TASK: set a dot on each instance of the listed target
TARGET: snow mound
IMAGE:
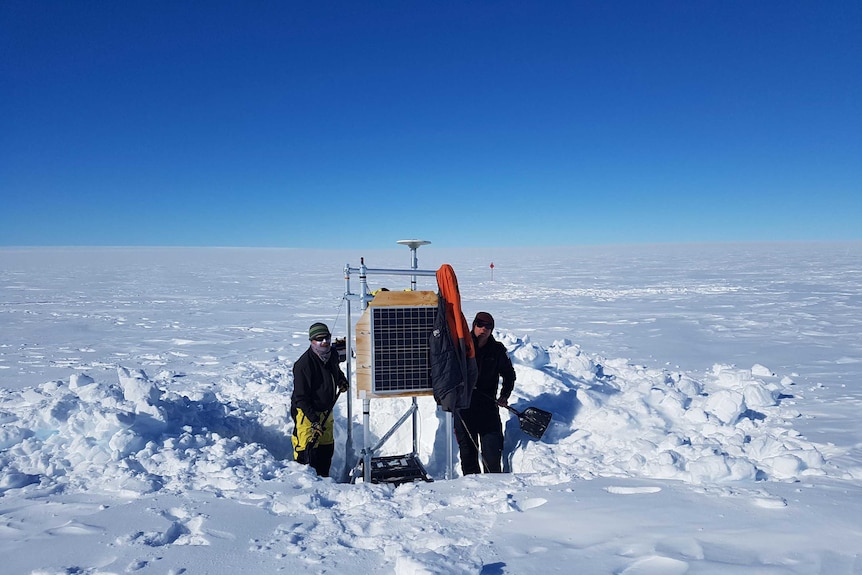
(611, 418)
(617, 419)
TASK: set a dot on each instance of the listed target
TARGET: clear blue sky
(333, 124)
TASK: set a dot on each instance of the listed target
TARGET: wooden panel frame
(364, 369)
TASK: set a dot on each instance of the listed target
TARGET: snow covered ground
(706, 406)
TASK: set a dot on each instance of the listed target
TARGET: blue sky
(333, 124)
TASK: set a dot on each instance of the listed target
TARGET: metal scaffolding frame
(364, 297)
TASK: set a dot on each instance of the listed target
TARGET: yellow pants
(302, 435)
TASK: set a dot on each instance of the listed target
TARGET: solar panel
(399, 348)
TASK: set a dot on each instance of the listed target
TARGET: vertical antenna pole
(450, 456)
(349, 452)
(366, 453)
(363, 283)
(414, 265)
(414, 262)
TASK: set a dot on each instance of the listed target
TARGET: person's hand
(503, 402)
(316, 431)
(343, 385)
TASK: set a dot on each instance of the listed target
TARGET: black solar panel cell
(399, 348)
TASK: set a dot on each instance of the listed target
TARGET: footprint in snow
(527, 504)
(631, 490)
(656, 565)
(769, 502)
(75, 528)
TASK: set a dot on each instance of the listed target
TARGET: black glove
(343, 385)
(316, 431)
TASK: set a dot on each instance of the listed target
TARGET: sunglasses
(322, 337)
(484, 324)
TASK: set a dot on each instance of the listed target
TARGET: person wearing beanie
(480, 423)
(317, 382)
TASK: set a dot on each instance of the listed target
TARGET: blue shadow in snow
(564, 407)
(492, 569)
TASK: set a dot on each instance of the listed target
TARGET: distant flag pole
(492, 271)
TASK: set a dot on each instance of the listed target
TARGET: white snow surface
(706, 405)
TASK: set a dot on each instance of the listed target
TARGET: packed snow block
(80, 380)
(785, 467)
(685, 384)
(14, 479)
(761, 371)
(531, 355)
(726, 405)
(564, 356)
(758, 396)
(13, 435)
(729, 377)
(89, 391)
(137, 387)
(125, 442)
(713, 468)
(145, 398)
(695, 416)
(392, 345)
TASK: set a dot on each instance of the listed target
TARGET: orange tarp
(448, 284)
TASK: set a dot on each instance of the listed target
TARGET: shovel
(533, 421)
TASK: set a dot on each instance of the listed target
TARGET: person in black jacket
(480, 423)
(317, 380)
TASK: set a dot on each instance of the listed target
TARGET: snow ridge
(611, 418)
